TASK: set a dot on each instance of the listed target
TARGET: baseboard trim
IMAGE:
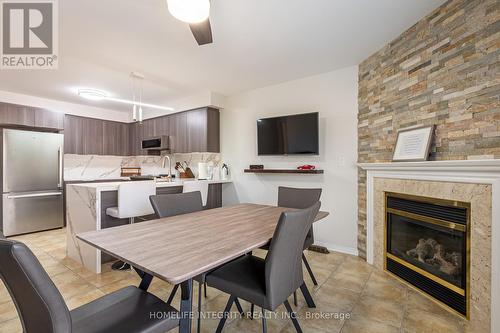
(338, 248)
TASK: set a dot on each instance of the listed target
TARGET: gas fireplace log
(429, 251)
(444, 265)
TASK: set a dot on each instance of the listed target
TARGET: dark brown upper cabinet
(189, 131)
(116, 138)
(49, 119)
(88, 136)
(83, 135)
(178, 132)
(26, 116)
(16, 115)
(73, 134)
(203, 131)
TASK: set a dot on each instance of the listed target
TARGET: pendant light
(134, 107)
(140, 104)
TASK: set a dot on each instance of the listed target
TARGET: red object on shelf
(306, 167)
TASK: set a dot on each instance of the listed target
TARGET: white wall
(334, 96)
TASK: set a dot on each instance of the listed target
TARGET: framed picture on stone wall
(413, 144)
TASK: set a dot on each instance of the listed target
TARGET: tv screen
(289, 135)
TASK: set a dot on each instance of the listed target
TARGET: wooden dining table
(178, 248)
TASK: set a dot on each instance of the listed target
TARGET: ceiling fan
(196, 13)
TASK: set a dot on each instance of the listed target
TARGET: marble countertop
(111, 186)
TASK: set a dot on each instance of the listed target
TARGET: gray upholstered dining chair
(301, 198)
(269, 282)
(41, 307)
(167, 205)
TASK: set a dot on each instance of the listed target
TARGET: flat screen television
(289, 135)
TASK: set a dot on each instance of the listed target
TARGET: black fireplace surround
(427, 245)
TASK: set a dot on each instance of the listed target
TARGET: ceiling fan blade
(202, 32)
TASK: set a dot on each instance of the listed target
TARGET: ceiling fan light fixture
(190, 11)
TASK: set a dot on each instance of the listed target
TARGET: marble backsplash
(98, 167)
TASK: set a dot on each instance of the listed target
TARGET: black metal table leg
(146, 282)
(186, 306)
(146, 279)
(172, 294)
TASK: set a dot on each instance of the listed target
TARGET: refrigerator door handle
(60, 171)
(33, 195)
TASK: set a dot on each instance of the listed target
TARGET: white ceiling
(256, 43)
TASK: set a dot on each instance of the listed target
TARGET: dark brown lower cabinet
(214, 199)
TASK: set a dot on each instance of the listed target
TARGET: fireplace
(427, 244)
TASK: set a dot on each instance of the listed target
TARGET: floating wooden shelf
(283, 171)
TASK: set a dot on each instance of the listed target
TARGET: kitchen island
(86, 205)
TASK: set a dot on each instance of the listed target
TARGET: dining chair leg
(295, 298)
(186, 307)
(205, 289)
(264, 321)
(311, 274)
(251, 311)
(198, 328)
(293, 317)
(307, 296)
(172, 294)
(225, 314)
(238, 306)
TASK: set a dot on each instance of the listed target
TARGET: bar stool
(197, 185)
(133, 201)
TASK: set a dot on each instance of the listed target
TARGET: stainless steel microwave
(156, 143)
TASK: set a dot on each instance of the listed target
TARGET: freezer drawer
(29, 212)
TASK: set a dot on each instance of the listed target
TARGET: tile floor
(352, 296)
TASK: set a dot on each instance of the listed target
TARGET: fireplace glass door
(426, 244)
(435, 249)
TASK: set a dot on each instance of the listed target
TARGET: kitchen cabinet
(178, 132)
(73, 134)
(115, 138)
(88, 136)
(189, 131)
(49, 119)
(203, 130)
(26, 116)
(93, 136)
(20, 115)
(214, 197)
(162, 125)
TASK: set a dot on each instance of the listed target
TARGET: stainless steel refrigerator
(32, 181)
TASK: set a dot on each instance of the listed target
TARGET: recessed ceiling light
(190, 11)
(92, 94)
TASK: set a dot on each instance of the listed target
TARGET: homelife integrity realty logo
(29, 34)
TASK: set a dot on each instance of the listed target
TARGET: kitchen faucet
(165, 158)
